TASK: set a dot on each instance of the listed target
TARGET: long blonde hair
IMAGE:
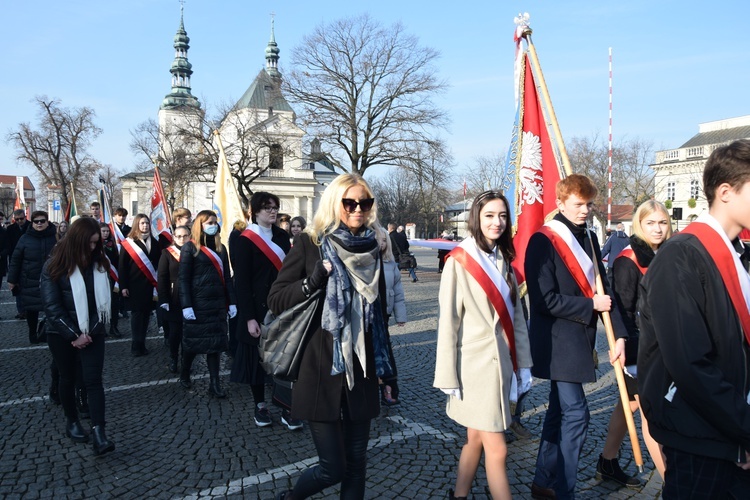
(644, 210)
(327, 217)
(135, 233)
(199, 237)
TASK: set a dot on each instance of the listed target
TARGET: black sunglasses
(18, 218)
(351, 205)
(39, 221)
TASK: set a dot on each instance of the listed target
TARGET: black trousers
(175, 337)
(695, 476)
(139, 326)
(342, 454)
(91, 359)
(32, 320)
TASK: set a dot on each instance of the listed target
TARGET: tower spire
(181, 70)
(272, 54)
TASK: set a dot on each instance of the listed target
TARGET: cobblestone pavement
(173, 443)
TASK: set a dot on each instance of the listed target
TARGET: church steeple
(181, 70)
(272, 55)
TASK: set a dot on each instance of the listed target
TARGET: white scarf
(102, 295)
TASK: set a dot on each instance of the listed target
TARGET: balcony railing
(289, 174)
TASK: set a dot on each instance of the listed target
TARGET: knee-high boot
(214, 387)
(187, 364)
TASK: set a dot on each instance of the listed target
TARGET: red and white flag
(538, 171)
(160, 220)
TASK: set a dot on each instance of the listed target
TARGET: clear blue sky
(676, 63)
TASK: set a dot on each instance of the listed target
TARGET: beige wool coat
(473, 352)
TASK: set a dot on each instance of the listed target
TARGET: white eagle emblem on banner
(531, 169)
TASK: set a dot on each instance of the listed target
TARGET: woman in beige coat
(481, 336)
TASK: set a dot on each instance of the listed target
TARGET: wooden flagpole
(547, 101)
(618, 368)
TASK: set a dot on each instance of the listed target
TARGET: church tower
(180, 108)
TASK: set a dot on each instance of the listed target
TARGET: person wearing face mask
(257, 255)
(26, 263)
(139, 258)
(169, 292)
(206, 295)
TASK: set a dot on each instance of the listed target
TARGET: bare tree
(57, 146)
(109, 177)
(396, 195)
(365, 91)
(488, 172)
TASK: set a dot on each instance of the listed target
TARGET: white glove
(524, 378)
(232, 311)
(165, 306)
(188, 313)
(453, 392)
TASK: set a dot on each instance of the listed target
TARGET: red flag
(538, 173)
(161, 225)
(464, 188)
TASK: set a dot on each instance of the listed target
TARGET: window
(275, 157)
(695, 188)
(134, 207)
(671, 191)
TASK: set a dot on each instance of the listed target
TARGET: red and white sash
(215, 260)
(628, 253)
(735, 278)
(271, 250)
(572, 254)
(140, 259)
(113, 272)
(174, 252)
(489, 277)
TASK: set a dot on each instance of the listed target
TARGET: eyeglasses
(39, 221)
(351, 205)
(19, 218)
(181, 236)
(271, 209)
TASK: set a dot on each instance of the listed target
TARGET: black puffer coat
(168, 289)
(26, 264)
(60, 308)
(203, 289)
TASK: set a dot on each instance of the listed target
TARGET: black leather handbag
(283, 338)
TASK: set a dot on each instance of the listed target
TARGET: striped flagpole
(609, 156)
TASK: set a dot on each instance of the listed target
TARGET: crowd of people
(678, 308)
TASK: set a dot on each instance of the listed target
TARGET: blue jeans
(563, 433)
(413, 274)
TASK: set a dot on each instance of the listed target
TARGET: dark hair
(728, 164)
(504, 242)
(73, 250)
(95, 204)
(258, 200)
(37, 213)
(301, 220)
(19, 211)
(121, 211)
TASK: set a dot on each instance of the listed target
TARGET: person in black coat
(169, 292)
(693, 353)
(3, 249)
(562, 332)
(76, 293)
(15, 230)
(119, 216)
(113, 254)
(254, 272)
(26, 263)
(340, 406)
(651, 228)
(206, 297)
(138, 279)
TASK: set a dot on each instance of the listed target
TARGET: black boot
(54, 394)
(102, 445)
(172, 365)
(610, 469)
(113, 330)
(82, 402)
(451, 496)
(75, 431)
(214, 386)
(187, 363)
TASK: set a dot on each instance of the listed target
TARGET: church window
(275, 157)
